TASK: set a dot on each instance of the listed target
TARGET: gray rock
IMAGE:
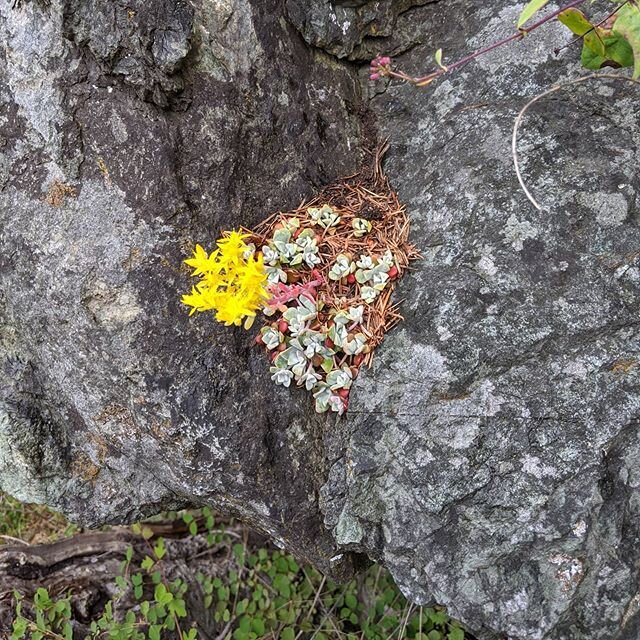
(491, 453)
(354, 29)
(129, 132)
(490, 457)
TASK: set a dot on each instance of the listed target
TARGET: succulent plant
(281, 375)
(272, 338)
(373, 275)
(314, 344)
(338, 333)
(305, 310)
(387, 259)
(249, 251)
(322, 397)
(342, 267)
(292, 358)
(379, 279)
(275, 275)
(340, 378)
(291, 224)
(356, 345)
(325, 216)
(309, 246)
(365, 262)
(360, 227)
(270, 255)
(309, 378)
(356, 314)
(337, 404)
(368, 294)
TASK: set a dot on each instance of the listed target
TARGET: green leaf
(161, 595)
(281, 584)
(438, 57)
(456, 633)
(627, 25)
(159, 549)
(530, 10)
(591, 60)
(154, 632)
(257, 626)
(439, 617)
(595, 42)
(327, 365)
(619, 50)
(576, 21)
(288, 634)
(179, 608)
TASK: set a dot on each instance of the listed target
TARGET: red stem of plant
(472, 56)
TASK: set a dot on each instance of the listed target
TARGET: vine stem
(523, 111)
(519, 35)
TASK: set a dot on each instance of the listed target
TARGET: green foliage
(614, 42)
(530, 10)
(264, 593)
(627, 26)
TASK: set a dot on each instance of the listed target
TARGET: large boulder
(490, 457)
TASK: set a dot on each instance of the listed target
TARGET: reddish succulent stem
(519, 35)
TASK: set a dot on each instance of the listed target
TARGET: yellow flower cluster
(233, 281)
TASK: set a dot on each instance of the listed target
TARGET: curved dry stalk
(523, 111)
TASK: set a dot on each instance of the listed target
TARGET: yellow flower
(233, 282)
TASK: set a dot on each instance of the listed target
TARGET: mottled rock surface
(129, 131)
(490, 458)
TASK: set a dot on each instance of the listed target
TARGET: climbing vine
(612, 41)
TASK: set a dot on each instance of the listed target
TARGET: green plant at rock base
(262, 593)
(613, 41)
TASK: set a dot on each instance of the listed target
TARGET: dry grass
(30, 523)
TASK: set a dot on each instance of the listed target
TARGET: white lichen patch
(348, 530)
(611, 209)
(535, 466)
(486, 267)
(516, 232)
(579, 529)
(112, 307)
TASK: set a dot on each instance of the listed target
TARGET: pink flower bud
(385, 60)
(374, 76)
